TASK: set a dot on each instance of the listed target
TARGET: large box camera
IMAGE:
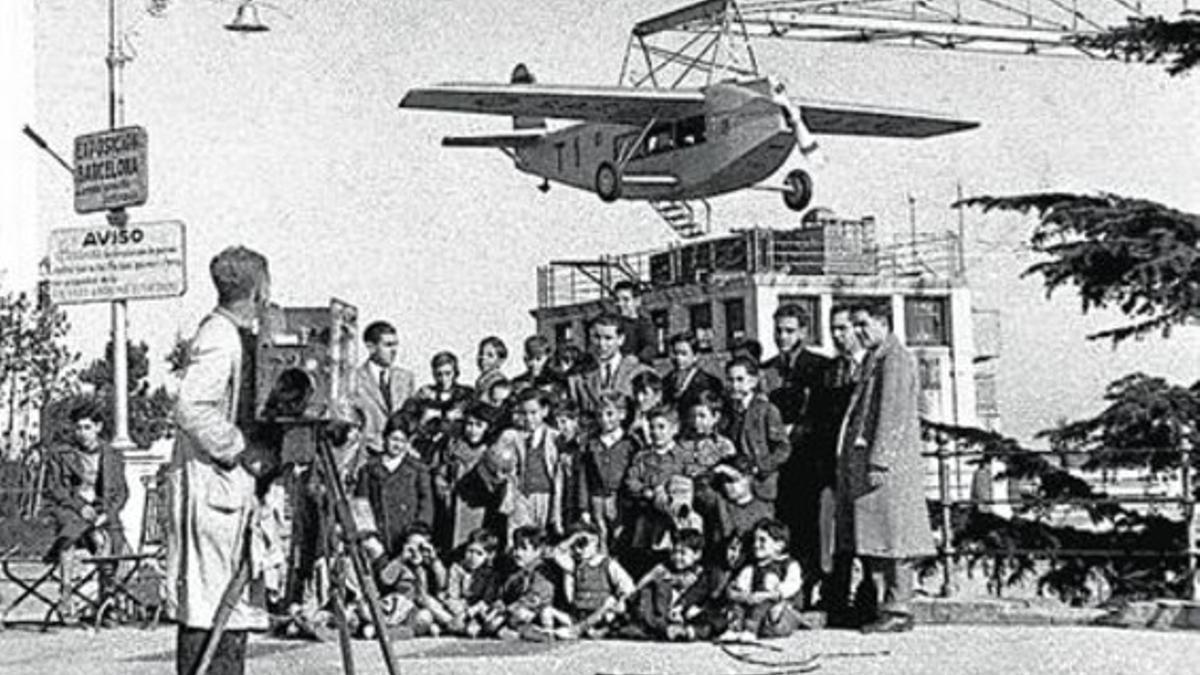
(304, 367)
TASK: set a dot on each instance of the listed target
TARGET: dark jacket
(398, 498)
(641, 338)
(64, 475)
(788, 379)
(759, 434)
(549, 380)
(649, 518)
(684, 399)
(729, 520)
(602, 469)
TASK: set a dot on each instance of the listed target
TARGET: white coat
(212, 496)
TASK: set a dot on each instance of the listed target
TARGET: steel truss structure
(713, 39)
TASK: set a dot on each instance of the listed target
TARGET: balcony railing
(831, 247)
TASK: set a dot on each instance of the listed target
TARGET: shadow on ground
(254, 650)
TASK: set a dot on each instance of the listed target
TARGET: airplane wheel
(800, 190)
(608, 182)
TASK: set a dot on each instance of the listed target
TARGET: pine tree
(1143, 259)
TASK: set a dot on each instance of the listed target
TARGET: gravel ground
(962, 650)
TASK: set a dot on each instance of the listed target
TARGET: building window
(564, 334)
(925, 322)
(700, 321)
(662, 326)
(735, 321)
(811, 305)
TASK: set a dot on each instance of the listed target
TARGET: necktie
(386, 389)
(608, 375)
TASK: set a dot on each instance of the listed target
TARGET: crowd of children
(513, 511)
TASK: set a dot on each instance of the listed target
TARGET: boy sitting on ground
(471, 586)
(525, 593)
(761, 594)
(595, 586)
(671, 599)
(410, 583)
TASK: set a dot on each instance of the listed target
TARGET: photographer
(211, 478)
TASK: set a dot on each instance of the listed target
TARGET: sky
(291, 142)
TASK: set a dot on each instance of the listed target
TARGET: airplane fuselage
(743, 137)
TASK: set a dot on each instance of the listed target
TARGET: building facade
(726, 289)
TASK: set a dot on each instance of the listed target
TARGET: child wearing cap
(737, 507)
(595, 586)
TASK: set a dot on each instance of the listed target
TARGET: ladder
(682, 217)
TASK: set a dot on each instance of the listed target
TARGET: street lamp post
(115, 61)
(246, 20)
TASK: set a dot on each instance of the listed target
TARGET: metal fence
(948, 453)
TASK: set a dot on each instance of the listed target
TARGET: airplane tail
(521, 75)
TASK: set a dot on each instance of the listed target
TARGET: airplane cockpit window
(663, 138)
(690, 131)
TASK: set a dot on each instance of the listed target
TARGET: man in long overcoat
(882, 516)
(212, 492)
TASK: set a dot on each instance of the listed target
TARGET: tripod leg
(339, 615)
(370, 593)
(362, 570)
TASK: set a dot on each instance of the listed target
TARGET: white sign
(111, 170)
(100, 264)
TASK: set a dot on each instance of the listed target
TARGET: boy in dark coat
(671, 599)
(397, 487)
(87, 489)
(756, 428)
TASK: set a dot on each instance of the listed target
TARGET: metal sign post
(115, 60)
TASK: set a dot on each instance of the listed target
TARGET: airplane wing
(617, 105)
(858, 120)
(517, 140)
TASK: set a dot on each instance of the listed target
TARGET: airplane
(638, 143)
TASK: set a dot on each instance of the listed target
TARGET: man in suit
(612, 370)
(881, 512)
(641, 337)
(811, 472)
(212, 474)
(683, 386)
(383, 387)
(788, 377)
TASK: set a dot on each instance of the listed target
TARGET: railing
(937, 255)
(571, 282)
(948, 453)
(833, 247)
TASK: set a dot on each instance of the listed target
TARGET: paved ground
(962, 650)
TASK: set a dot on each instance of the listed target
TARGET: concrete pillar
(962, 354)
(898, 324)
(824, 315)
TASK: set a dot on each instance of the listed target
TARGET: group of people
(590, 494)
